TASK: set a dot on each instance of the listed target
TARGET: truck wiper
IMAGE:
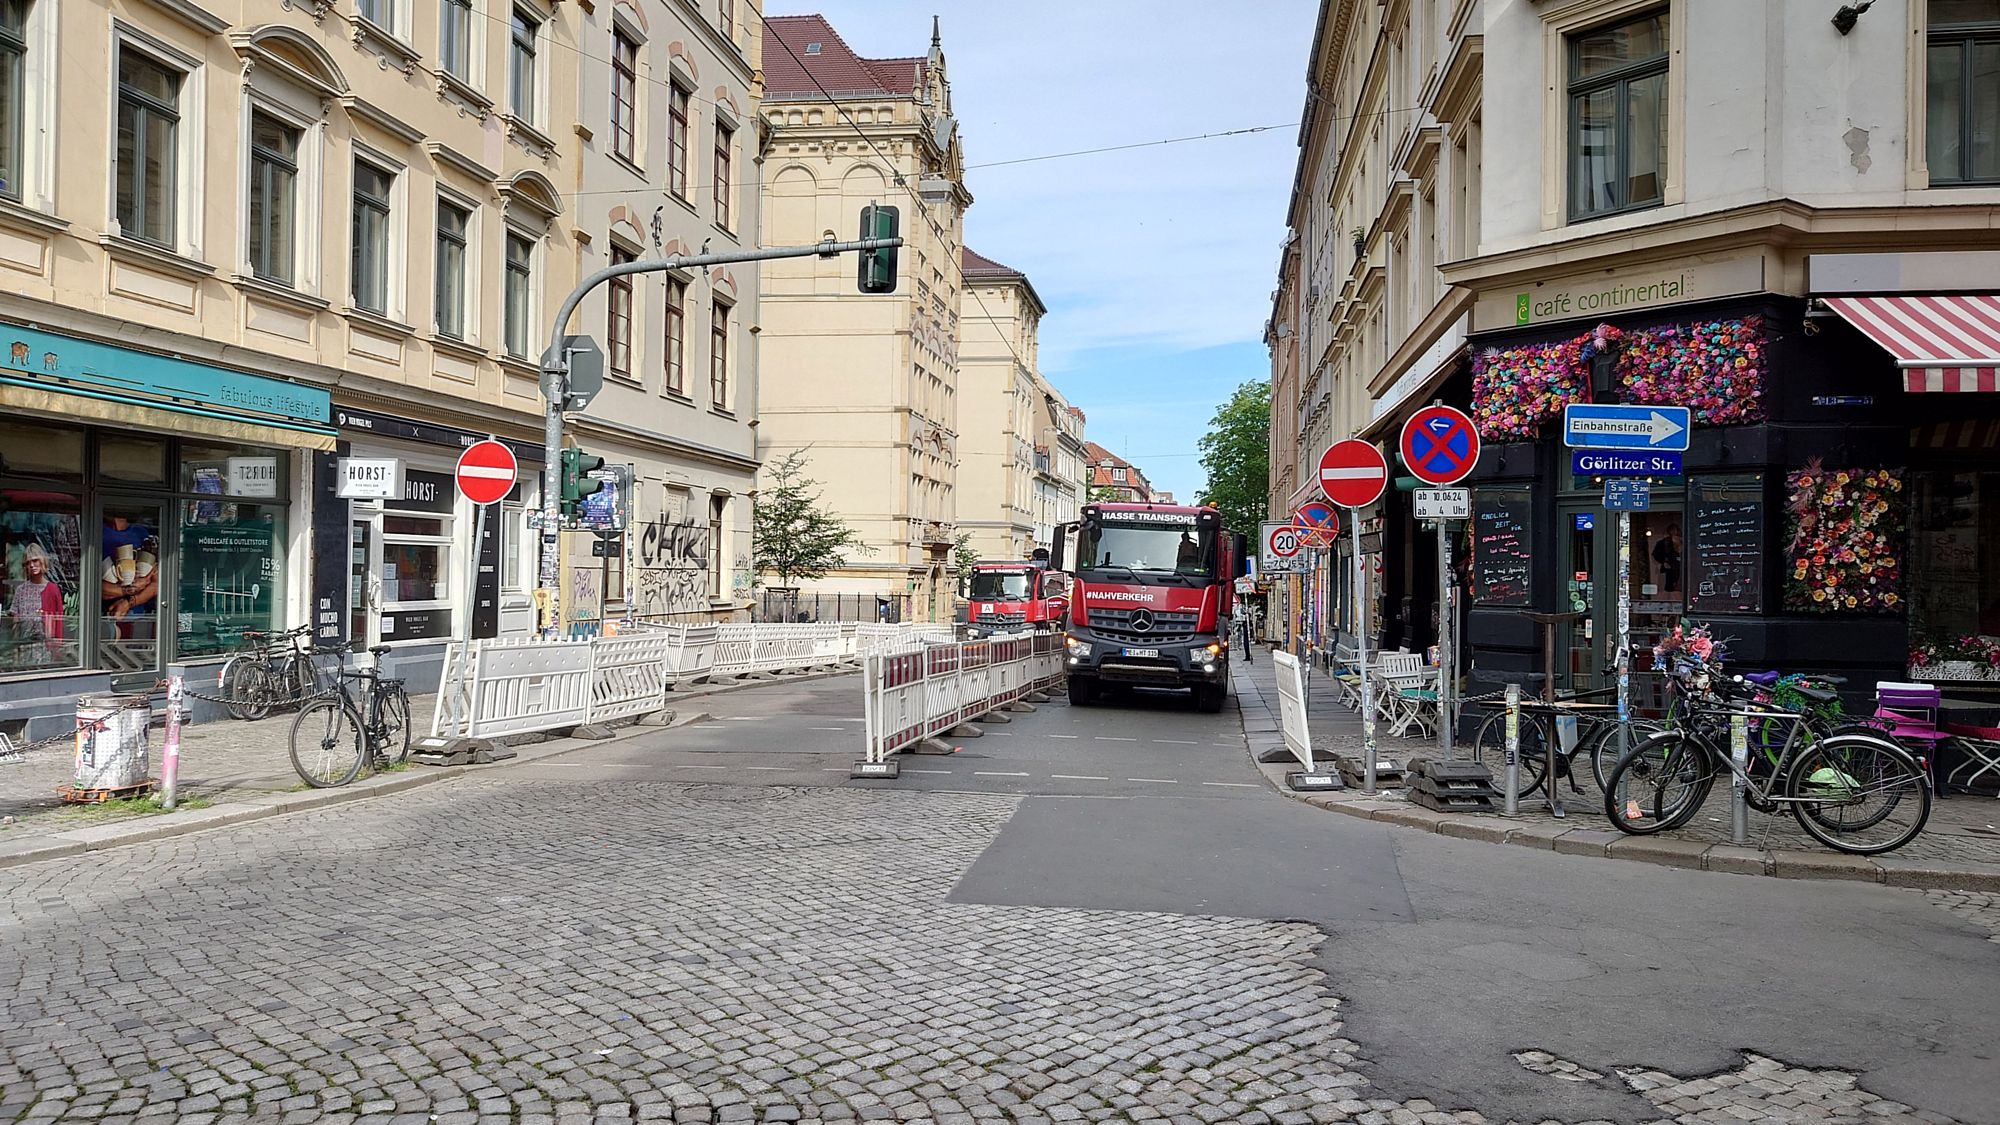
(1126, 569)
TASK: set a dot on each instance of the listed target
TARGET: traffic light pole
(555, 377)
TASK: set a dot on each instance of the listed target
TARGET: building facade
(1114, 478)
(1000, 401)
(1784, 224)
(667, 161)
(866, 385)
(1062, 468)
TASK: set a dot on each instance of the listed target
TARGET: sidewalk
(1959, 848)
(234, 771)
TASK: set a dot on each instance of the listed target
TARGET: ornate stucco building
(1001, 404)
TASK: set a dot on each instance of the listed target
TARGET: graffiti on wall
(671, 565)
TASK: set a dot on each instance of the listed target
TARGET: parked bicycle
(1851, 789)
(363, 725)
(271, 670)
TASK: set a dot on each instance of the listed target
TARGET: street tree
(963, 556)
(793, 534)
(1236, 455)
(1104, 494)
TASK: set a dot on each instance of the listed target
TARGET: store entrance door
(1587, 652)
(1578, 666)
(1659, 595)
(132, 584)
(363, 589)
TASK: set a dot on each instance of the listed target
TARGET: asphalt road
(1452, 955)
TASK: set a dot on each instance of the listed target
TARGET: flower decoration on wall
(1714, 367)
(1847, 539)
(1516, 390)
(1972, 648)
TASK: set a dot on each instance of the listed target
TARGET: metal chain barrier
(14, 753)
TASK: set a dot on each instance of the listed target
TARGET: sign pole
(471, 600)
(1361, 658)
(1624, 636)
(1445, 646)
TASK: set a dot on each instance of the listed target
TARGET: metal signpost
(486, 474)
(1353, 474)
(1656, 432)
(1513, 806)
(1440, 446)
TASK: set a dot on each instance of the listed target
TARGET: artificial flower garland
(1847, 539)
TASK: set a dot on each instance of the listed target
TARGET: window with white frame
(148, 154)
(718, 506)
(624, 96)
(676, 380)
(382, 13)
(373, 203)
(273, 204)
(454, 228)
(520, 293)
(523, 77)
(1962, 118)
(726, 19)
(718, 357)
(13, 91)
(618, 317)
(725, 149)
(455, 41)
(1618, 117)
(677, 141)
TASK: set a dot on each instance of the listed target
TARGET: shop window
(13, 65)
(416, 576)
(148, 156)
(129, 575)
(231, 574)
(42, 575)
(41, 453)
(1503, 540)
(1954, 567)
(1618, 117)
(124, 459)
(1962, 120)
(232, 470)
(1726, 522)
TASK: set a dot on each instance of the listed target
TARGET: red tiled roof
(836, 67)
(974, 262)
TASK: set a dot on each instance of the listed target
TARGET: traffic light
(878, 267)
(576, 480)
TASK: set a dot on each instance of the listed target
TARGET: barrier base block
(933, 746)
(1276, 754)
(1020, 708)
(966, 730)
(596, 732)
(1313, 782)
(1038, 697)
(876, 771)
(435, 751)
(657, 719)
(993, 717)
(485, 753)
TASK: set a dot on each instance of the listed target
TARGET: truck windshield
(999, 586)
(1146, 548)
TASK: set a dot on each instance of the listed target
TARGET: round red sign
(1352, 473)
(486, 472)
(1439, 445)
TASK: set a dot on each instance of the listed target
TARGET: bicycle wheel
(1859, 795)
(326, 743)
(1658, 784)
(394, 722)
(1601, 744)
(1489, 747)
(245, 683)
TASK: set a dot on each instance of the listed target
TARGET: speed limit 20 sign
(1282, 549)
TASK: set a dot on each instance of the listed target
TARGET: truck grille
(1165, 626)
(1000, 620)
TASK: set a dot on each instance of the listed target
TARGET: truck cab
(1011, 596)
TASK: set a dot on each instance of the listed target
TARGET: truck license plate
(1142, 652)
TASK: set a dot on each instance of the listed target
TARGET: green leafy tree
(963, 556)
(1236, 455)
(793, 535)
(1103, 494)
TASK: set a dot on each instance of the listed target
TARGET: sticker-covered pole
(1361, 658)
(1445, 678)
(1624, 634)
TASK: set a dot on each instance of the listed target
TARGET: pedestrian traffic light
(577, 482)
(878, 267)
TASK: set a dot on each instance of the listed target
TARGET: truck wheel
(1209, 698)
(1082, 693)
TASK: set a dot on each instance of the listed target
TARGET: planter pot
(1954, 670)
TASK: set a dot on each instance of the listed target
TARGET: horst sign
(1607, 293)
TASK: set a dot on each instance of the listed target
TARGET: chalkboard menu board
(1728, 571)
(1502, 540)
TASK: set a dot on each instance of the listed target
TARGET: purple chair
(1909, 713)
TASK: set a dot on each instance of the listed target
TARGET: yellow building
(1001, 401)
(867, 385)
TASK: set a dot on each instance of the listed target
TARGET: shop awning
(105, 410)
(1942, 343)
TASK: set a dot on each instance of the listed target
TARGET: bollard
(170, 754)
(1739, 756)
(1513, 750)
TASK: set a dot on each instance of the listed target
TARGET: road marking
(769, 769)
(1155, 780)
(1234, 784)
(1065, 736)
(744, 718)
(984, 773)
(946, 773)
(827, 728)
(1176, 742)
(708, 767)
(832, 769)
(1110, 738)
(1077, 777)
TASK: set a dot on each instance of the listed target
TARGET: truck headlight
(1077, 649)
(1213, 651)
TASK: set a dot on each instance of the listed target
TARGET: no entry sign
(1439, 445)
(486, 472)
(1352, 473)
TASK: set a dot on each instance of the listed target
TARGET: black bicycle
(336, 735)
(270, 670)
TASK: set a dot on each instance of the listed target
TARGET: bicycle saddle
(377, 650)
(1816, 694)
(1764, 678)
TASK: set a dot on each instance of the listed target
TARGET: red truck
(1011, 595)
(1150, 599)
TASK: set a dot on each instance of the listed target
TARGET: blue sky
(1157, 264)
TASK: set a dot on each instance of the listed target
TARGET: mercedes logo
(1142, 620)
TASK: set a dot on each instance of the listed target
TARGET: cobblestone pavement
(1981, 908)
(566, 951)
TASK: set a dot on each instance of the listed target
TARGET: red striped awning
(1942, 343)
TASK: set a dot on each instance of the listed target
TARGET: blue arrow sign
(1610, 463)
(1589, 425)
(1625, 495)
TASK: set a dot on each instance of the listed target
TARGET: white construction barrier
(915, 695)
(1292, 721)
(628, 675)
(517, 686)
